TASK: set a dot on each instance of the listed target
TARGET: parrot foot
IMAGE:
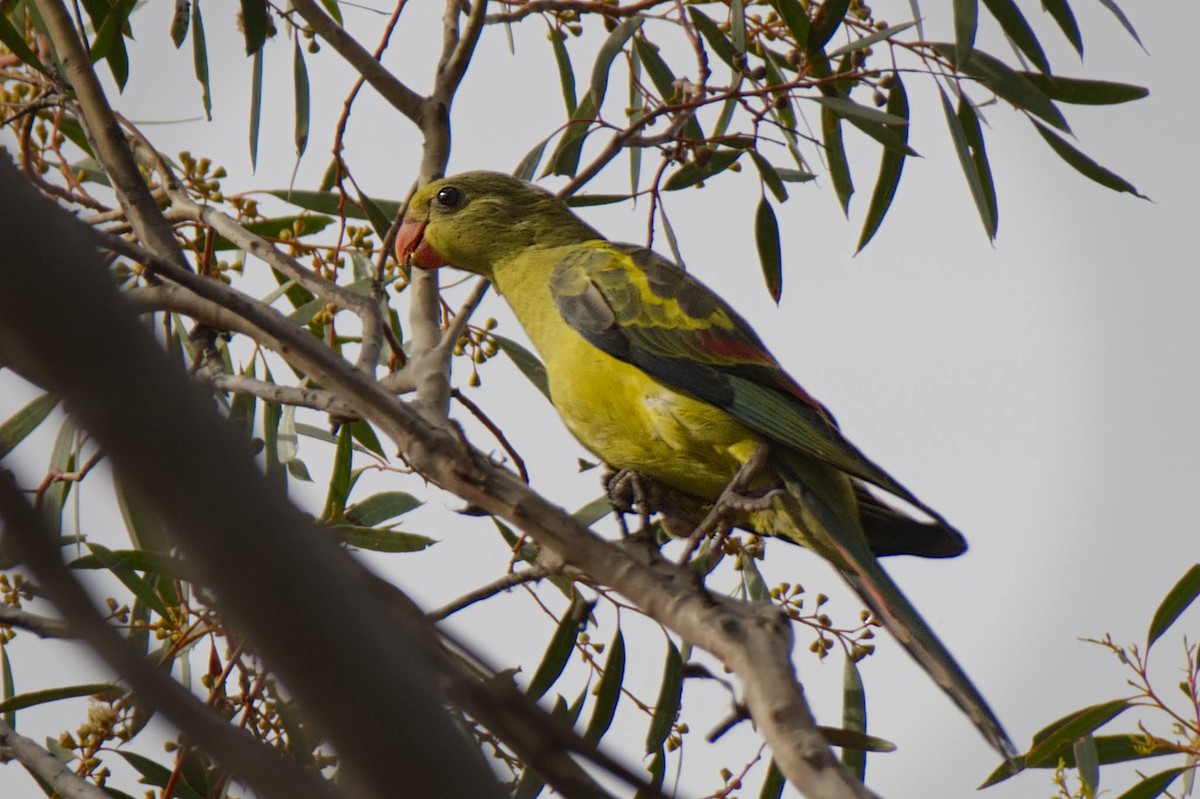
(733, 503)
(629, 493)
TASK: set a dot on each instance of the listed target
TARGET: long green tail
(818, 510)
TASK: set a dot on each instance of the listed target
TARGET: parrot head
(476, 219)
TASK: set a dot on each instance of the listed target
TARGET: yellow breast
(622, 415)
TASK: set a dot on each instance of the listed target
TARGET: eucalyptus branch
(404, 99)
(361, 305)
(104, 134)
(283, 395)
(505, 583)
(41, 626)
(45, 766)
(454, 61)
(611, 10)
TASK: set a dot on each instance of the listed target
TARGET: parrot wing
(644, 310)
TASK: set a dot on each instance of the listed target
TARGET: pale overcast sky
(1039, 391)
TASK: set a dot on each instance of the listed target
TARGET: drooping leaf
(847, 109)
(1112, 6)
(300, 90)
(1062, 734)
(664, 82)
(966, 22)
(608, 51)
(8, 687)
(854, 717)
(100, 689)
(766, 237)
(1016, 27)
(588, 200)
(159, 776)
(122, 569)
(608, 692)
(773, 783)
(1065, 17)
(18, 426)
(330, 202)
(200, 59)
(566, 75)
(15, 42)
(1154, 785)
(179, 22)
(770, 177)
(361, 430)
(666, 708)
(795, 18)
(380, 221)
(109, 43)
(565, 159)
(1084, 164)
(593, 511)
(1087, 764)
(835, 154)
(379, 508)
(973, 131)
(716, 38)
(1008, 83)
(558, 652)
(961, 147)
(375, 539)
(334, 9)
(526, 169)
(340, 480)
(1174, 603)
(828, 19)
(737, 25)
(256, 76)
(874, 38)
(1079, 91)
(272, 228)
(254, 24)
(526, 361)
(891, 166)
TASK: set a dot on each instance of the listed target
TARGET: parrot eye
(449, 197)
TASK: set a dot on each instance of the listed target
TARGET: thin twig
(505, 583)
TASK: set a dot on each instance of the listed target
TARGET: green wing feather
(645, 310)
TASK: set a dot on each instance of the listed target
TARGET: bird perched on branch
(654, 373)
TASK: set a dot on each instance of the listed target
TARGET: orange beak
(411, 246)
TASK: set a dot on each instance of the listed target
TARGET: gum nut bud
(887, 81)
(473, 381)
(313, 47)
(878, 99)
(758, 73)
(821, 599)
(203, 165)
(815, 646)
(219, 172)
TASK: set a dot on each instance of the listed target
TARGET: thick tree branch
(288, 582)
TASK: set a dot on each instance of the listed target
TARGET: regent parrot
(653, 372)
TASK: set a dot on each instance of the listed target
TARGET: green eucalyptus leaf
(666, 708)
(766, 237)
(1174, 603)
(1016, 27)
(1084, 164)
(18, 426)
(891, 166)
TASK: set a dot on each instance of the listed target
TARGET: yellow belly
(630, 421)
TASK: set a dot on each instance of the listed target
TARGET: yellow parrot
(654, 373)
